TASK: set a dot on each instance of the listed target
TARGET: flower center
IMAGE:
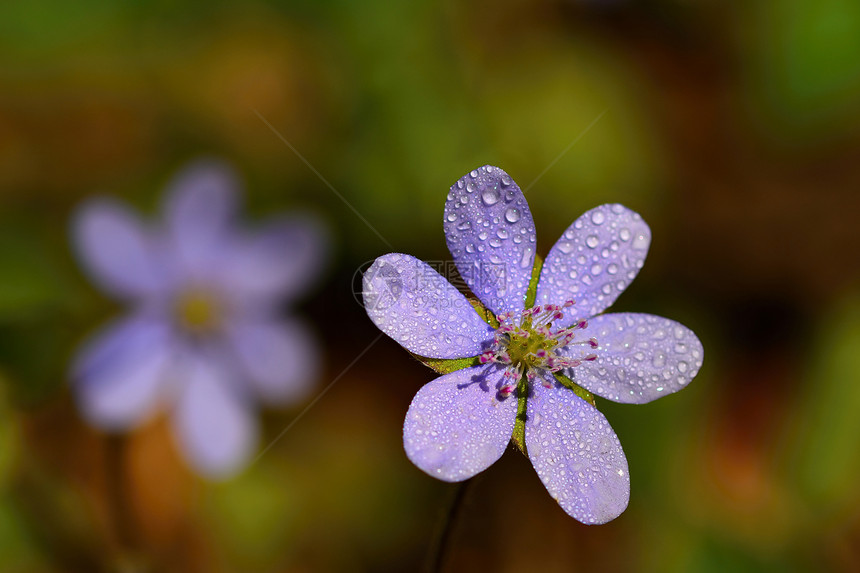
(198, 311)
(526, 343)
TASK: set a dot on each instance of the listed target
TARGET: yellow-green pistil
(198, 311)
(527, 343)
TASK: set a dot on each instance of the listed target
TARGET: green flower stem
(442, 546)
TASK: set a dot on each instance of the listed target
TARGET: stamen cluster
(527, 344)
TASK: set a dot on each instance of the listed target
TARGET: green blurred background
(733, 128)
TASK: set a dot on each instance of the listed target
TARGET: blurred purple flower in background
(204, 333)
(461, 423)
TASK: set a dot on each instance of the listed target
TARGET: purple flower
(529, 362)
(203, 333)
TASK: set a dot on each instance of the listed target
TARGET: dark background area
(732, 128)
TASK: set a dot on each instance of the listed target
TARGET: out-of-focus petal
(640, 357)
(491, 235)
(576, 455)
(199, 209)
(458, 425)
(118, 375)
(214, 421)
(279, 358)
(278, 262)
(594, 261)
(417, 307)
(117, 251)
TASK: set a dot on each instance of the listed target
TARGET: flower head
(533, 352)
(203, 332)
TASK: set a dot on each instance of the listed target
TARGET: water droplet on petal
(598, 217)
(502, 233)
(624, 234)
(490, 196)
(527, 258)
(592, 241)
(640, 242)
(512, 215)
(452, 216)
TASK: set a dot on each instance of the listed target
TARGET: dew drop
(624, 234)
(592, 241)
(612, 268)
(490, 196)
(464, 226)
(452, 216)
(527, 259)
(598, 217)
(470, 248)
(495, 242)
(640, 242)
(596, 269)
(502, 233)
(512, 215)
(470, 187)
(682, 366)
(506, 181)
